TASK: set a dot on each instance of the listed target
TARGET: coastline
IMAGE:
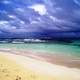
(41, 69)
(58, 59)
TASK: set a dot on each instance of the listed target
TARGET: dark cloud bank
(48, 19)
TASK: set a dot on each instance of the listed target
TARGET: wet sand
(69, 61)
(21, 66)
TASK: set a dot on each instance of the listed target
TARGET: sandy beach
(58, 59)
(20, 67)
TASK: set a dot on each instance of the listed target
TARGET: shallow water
(49, 48)
(56, 53)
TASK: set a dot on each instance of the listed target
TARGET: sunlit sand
(17, 67)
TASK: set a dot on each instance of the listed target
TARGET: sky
(39, 18)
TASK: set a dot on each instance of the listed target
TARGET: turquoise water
(48, 48)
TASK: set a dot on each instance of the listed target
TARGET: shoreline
(63, 60)
(34, 69)
(40, 70)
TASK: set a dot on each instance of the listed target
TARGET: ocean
(47, 48)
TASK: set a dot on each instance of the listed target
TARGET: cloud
(12, 16)
(40, 8)
(5, 25)
(3, 22)
(53, 15)
(77, 2)
(6, 2)
(20, 9)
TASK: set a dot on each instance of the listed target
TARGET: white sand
(45, 68)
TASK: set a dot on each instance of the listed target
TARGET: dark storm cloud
(21, 16)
